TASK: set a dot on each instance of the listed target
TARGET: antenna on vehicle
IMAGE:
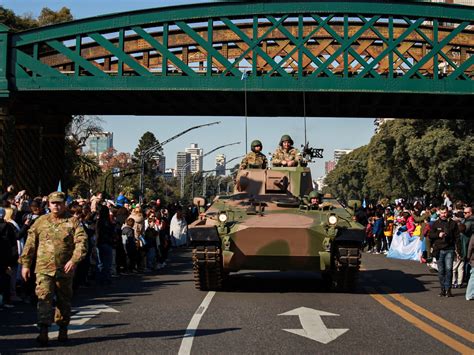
(304, 115)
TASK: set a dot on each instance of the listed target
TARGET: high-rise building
(183, 163)
(319, 184)
(99, 142)
(339, 153)
(329, 166)
(169, 174)
(161, 162)
(220, 164)
(196, 157)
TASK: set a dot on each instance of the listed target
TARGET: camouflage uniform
(54, 243)
(281, 154)
(254, 160)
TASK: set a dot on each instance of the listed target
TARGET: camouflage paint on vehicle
(269, 224)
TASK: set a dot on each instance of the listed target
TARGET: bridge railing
(316, 43)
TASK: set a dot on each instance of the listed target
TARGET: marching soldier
(285, 154)
(58, 242)
(255, 159)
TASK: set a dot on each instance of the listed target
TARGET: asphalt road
(395, 309)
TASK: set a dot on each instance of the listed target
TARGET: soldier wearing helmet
(314, 200)
(255, 159)
(285, 154)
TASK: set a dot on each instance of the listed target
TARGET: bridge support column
(39, 152)
(7, 124)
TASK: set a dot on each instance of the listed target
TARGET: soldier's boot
(42, 338)
(62, 337)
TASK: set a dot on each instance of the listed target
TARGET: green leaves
(410, 158)
(25, 22)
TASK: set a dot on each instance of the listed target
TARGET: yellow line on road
(435, 318)
(435, 333)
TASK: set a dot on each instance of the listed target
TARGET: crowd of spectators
(124, 237)
(445, 231)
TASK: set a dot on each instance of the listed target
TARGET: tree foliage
(347, 180)
(111, 159)
(50, 17)
(410, 158)
(147, 141)
(81, 128)
(27, 21)
(81, 172)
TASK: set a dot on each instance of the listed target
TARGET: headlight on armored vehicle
(222, 217)
(332, 220)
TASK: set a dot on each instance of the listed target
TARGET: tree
(147, 141)
(83, 172)
(77, 132)
(81, 128)
(25, 22)
(412, 158)
(111, 159)
(16, 23)
(49, 17)
(154, 186)
(347, 181)
(87, 169)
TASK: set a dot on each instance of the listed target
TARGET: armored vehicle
(269, 223)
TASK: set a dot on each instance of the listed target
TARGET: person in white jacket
(179, 230)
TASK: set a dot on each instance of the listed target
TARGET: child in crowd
(130, 246)
(388, 230)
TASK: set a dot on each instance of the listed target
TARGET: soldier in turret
(57, 242)
(285, 154)
(255, 159)
(314, 200)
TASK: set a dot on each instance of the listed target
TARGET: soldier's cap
(2, 213)
(57, 197)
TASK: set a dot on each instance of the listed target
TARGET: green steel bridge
(341, 58)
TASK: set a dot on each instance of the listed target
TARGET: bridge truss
(351, 49)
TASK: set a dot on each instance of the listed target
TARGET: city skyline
(327, 133)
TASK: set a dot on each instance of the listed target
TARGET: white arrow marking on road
(83, 315)
(313, 326)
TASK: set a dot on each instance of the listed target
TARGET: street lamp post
(97, 147)
(181, 178)
(204, 185)
(245, 75)
(235, 158)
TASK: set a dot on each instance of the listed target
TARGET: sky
(327, 133)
